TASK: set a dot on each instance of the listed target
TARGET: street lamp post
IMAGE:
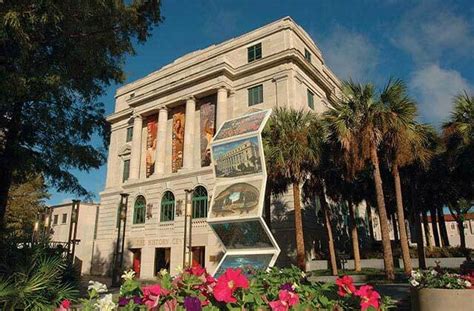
(188, 226)
(120, 244)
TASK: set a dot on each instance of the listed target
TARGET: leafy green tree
(25, 201)
(292, 139)
(405, 140)
(56, 58)
(356, 124)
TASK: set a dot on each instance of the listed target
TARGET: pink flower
(279, 305)
(152, 294)
(228, 283)
(368, 297)
(197, 270)
(285, 300)
(346, 285)
(64, 305)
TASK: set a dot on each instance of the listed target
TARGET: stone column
(188, 153)
(136, 147)
(221, 111)
(161, 141)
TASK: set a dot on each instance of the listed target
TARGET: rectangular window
(255, 95)
(64, 218)
(129, 134)
(307, 55)
(55, 219)
(254, 52)
(126, 170)
(310, 99)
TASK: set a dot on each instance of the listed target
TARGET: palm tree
(404, 142)
(292, 138)
(356, 124)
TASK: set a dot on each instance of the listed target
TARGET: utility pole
(188, 226)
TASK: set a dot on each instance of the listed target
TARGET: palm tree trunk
(463, 239)
(434, 225)
(442, 226)
(300, 252)
(330, 238)
(401, 221)
(395, 228)
(426, 227)
(420, 245)
(371, 224)
(354, 236)
(387, 247)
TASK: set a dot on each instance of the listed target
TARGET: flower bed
(276, 289)
(436, 289)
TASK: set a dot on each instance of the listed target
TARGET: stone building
(162, 126)
(59, 223)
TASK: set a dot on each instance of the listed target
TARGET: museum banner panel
(207, 127)
(178, 139)
(151, 143)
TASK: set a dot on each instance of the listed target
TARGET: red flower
(228, 283)
(151, 295)
(368, 297)
(65, 304)
(197, 270)
(346, 285)
(285, 300)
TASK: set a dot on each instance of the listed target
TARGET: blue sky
(429, 44)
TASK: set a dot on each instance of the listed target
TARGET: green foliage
(35, 278)
(56, 58)
(437, 278)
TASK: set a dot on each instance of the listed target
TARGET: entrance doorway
(199, 255)
(162, 259)
(137, 259)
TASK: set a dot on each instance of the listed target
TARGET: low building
(60, 231)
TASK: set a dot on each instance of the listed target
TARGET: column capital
(136, 115)
(190, 97)
(163, 108)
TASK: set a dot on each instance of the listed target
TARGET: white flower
(98, 287)
(105, 303)
(434, 272)
(448, 285)
(414, 283)
(303, 275)
(294, 286)
(179, 269)
(415, 274)
(128, 275)
(460, 282)
(467, 284)
(163, 272)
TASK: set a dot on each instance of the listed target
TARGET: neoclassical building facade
(162, 126)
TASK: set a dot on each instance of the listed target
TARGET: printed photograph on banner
(208, 127)
(237, 158)
(178, 139)
(243, 125)
(242, 234)
(236, 200)
(151, 143)
(246, 262)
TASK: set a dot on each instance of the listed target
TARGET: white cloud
(432, 30)
(350, 54)
(435, 88)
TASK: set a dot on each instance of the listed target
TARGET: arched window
(167, 206)
(199, 202)
(139, 210)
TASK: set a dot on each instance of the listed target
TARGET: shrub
(438, 278)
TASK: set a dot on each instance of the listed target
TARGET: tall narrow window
(129, 134)
(255, 95)
(139, 210)
(307, 55)
(310, 99)
(64, 218)
(200, 202)
(126, 170)
(167, 207)
(254, 52)
(55, 219)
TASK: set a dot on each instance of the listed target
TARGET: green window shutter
(167, 207)
(126, 170)
(200, 202)
(129, 134)
(255, 95)
(139, 210)
(310, 99)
